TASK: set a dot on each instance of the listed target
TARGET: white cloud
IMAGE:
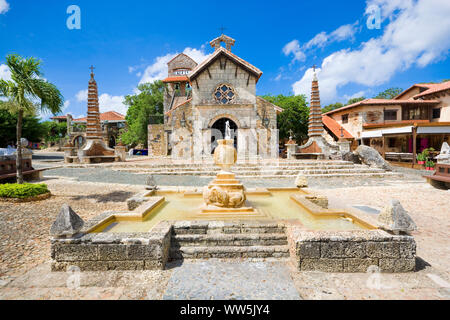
(4, 6)
(66, 105)
(112, 103)
(82, 95)
(293, 47)
(5, 73)
(417, 34)
(158, 70)
(320, 40)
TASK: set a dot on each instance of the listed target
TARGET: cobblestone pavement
(25, 251)
(231, 280)
(107, 175)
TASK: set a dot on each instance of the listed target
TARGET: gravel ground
(24, 228)
(25, 247)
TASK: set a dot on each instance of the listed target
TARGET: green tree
(331, 107)
(149, 102)
(390, 93)
(26, 86)
(32, 129)
(54, 130)
(355, 100)
(295, 115)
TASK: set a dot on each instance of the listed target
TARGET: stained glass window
(224, 94)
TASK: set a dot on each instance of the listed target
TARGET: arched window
(224, 94)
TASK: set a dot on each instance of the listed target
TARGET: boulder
(372, 158)
(67, 224)
(396, 219)
(301, 181)
(444, 155)
(351, 157)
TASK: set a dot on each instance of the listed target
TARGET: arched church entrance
(218, 132)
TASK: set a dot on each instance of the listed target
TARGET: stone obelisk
(93, 128)
(315, 127)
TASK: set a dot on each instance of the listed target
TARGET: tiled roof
(374, 102)
(59, 118)
(177, 79)
(258, 73)
(107, 116)
(433, 88)
(335, 127)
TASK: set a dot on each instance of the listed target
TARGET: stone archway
(218, 132)
(78, 142)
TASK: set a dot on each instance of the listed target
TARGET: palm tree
(24, 91)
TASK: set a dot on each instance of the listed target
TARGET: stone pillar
(291, 150)
(344, 146)
(121, 151)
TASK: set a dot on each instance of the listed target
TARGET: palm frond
(51, 98)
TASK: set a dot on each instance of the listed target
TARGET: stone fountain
(226, 194)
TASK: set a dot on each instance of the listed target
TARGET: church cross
(222, 29)
(314, 68)
(92, 69)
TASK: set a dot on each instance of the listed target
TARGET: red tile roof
(433, 88)
(258, 73)
(374, 102)
(59, 118)
(107, 116)
(336, 128)
(177, 79)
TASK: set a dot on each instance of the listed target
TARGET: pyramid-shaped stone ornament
(67, 224)
(396, 219)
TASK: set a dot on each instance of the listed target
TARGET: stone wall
(203, 86)
(113, 251)
(157, 145)
(354, 251)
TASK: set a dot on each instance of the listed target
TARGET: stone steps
(229, 252)
(204, 240)
(221, 240)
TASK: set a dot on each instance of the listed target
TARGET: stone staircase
(284, 169)
(197, 240)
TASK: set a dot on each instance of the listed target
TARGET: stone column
(344, 146)
(291, 150)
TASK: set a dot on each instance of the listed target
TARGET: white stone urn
(225, 155)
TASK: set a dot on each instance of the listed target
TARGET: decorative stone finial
(216, 43)
(67, 224)
(396, 219)
(301, 181)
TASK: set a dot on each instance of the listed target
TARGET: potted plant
(429, 165)
(421, 158)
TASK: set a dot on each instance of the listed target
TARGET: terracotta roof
(434, 88)
(177, 79)
(335, 127)
(374, 102)
(107, 116)
(258, 73)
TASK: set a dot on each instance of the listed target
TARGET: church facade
(201, 98)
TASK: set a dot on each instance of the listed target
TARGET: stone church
(200, 99)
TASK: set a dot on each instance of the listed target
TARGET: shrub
(22, 191)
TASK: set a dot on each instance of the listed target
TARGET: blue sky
(130, 42)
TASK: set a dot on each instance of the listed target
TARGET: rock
(350, 156)
(444, 155)
(301, 181)
(372, 158)
(67, 224)
(395, 218)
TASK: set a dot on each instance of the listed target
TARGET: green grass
(22, 191)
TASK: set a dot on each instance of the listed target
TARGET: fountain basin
(315, 238)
